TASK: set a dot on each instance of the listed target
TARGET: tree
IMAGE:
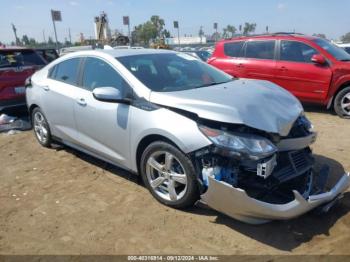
(150, 30)
(216, 36)
(249, 28)
(158, 24)
(50, 41)
(25, 40)
(229, 29)
(32, 42)
(166, 33)
(346, 38)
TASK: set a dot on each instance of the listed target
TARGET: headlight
(251, 146)
(302, 120)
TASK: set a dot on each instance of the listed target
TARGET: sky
(32, 17)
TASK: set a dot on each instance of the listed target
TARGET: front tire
(342, 103)
(169, 175)
(41, 128)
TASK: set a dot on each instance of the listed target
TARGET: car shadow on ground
(283, 235)
(115, 170)
(313, 108)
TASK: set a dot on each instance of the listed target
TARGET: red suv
(311, 68)
(16, 64)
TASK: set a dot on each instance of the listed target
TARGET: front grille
(292, 164)
(298, 160)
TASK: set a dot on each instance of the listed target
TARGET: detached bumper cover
(235, 202)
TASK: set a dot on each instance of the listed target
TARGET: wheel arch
(145, 142)
(340, 87)
(31, 108)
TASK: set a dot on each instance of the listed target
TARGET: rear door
(297, 73)
(259, 62)
(103, 126)
(58, 95)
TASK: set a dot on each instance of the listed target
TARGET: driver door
(103, 127)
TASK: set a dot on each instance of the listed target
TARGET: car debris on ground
(13, 124)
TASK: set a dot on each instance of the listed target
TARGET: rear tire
(169, 175)
(342, 103)
(41, 128)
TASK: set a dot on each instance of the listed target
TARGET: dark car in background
(311, 68)
(16, 65)
(49, 54)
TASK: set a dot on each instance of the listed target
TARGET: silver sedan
(191, 131)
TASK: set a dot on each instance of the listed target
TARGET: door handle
(283, 68)
(81, 101)
(240, 65)
(46, 88)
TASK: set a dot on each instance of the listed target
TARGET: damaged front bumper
(236, 203)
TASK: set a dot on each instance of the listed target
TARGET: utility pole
(176, 25)
(56, 16)
(15, 32)
(126, 21)
(70, 36)
(44, 36)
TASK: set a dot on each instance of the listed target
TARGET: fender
(335, 87)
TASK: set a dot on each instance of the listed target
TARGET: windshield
(337, 52)
(15, 58)
(172, 71)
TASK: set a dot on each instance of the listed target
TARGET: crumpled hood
(255, 103)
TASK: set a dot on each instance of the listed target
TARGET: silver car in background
(191, 131)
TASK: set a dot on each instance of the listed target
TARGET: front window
(97, 73)
(337, 52)
(172, 71)
(296, 52)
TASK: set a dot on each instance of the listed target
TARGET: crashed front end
(255, 176)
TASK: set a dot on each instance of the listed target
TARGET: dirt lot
(59, 201)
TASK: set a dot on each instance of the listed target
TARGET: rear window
(233, 49)
(16, 58)
(260, 49)
(66, 71)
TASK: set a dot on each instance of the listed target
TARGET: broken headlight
(251, 146)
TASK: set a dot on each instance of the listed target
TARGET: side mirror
(110, 94)
(318, 59)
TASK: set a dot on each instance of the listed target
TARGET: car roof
(15, 48)
(130, 52)
(289, 36)
(123, 52)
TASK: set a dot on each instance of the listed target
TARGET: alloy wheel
(166, 176)
(40, 127)
(345, 104)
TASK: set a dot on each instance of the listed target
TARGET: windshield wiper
(216, 83)
(344, 60)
